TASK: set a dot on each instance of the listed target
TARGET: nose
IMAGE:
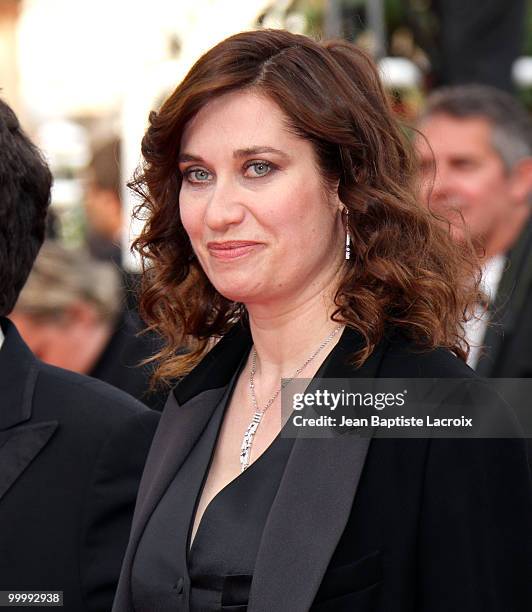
(225, 205)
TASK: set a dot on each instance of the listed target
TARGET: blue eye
(197, 175)
(260, 168)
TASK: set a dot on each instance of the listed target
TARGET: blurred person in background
(105, 215)
(72, 448)
(70, 313)
(475, 150)
(103, 207)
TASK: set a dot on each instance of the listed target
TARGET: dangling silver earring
(347, 236)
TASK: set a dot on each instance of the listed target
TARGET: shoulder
(394, 356)
(403, 359)
(84, 398)
(100, 428)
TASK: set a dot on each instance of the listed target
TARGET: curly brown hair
(405, 272)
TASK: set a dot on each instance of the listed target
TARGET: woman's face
(259, 219)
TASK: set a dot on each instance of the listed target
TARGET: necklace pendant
(247, 441)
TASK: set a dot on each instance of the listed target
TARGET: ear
(36, 335)
(335, 205)
(333, 197)
(111, 201)
(83, 313)
(336, 202)
(521, 180)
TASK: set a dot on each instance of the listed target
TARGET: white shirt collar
(491, 275)
(1, 337)
(476, 328)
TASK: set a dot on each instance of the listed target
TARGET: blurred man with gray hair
(475, 151)
(71, 313)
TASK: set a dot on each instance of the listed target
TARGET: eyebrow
(238, 154)
(187, 157)
(257, 151)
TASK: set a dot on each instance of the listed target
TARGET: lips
(232, 249)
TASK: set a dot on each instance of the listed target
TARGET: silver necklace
(247, 441)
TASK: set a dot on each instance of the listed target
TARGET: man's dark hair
(25, 182)
(511, 124)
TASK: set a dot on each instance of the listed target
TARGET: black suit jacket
(72, 451)
(389, 525)
(508, 339)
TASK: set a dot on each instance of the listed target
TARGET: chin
(236, 292)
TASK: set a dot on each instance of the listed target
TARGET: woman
(281, 217)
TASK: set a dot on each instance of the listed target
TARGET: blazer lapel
(509, 301)
(187, 412)
(18, 374)
(18, 447)
(500, 315)
(185, 416)
(178, 431)
(299, 539)
(20, 439)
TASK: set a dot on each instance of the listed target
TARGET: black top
(218, 569)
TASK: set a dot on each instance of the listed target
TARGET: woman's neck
(284, 339)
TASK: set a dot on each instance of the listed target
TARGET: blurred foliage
(528, 29)
(400, 40)
(314, 11)
(525, 95)
(407, 21)
(417, 16)
(412, 30)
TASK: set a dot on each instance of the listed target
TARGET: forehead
(455, 136)
(237, 121)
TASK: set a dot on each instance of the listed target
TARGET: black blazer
(389, 525)
(508, 339)
(72, 451)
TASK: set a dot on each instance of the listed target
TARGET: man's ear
(35, 334)
(521, 180)
(82, 312)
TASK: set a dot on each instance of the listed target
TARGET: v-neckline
(225, 401)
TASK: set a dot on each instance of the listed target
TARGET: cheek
(311, 228)
(191, 218)
(486, 202)
(486, 184)
(306, 204)
(293, 227)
